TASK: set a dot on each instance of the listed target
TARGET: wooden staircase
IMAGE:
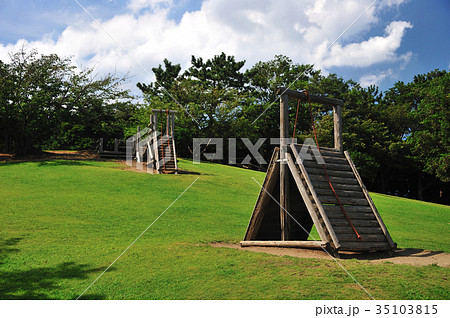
(333, 225)
(167, 162)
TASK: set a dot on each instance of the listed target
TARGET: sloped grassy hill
(62, 223)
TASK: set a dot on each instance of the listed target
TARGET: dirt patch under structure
(407, 256)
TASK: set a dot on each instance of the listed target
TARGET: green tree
(165, 78)
(44, 99)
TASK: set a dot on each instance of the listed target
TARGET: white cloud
(374, 79)
(375, 50)
(137, 5)
(254, 30)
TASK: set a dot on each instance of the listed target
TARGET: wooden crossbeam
(313, 98)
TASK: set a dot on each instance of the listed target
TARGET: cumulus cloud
(375, 50)
(253, 30)
(375, 79)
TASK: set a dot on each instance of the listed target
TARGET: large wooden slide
(346, 219)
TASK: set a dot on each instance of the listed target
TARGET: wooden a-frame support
(295, 195)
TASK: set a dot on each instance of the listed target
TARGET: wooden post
(337, 114)
(284, 177)
(172, 126)
(138, 140)
(116, 145)
(100, 147)
(155, 117)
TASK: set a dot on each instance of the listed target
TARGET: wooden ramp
(311, 201)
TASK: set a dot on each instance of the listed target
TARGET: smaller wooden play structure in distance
(297, 193)
(157, 148)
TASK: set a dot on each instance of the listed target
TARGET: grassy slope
(63, 222)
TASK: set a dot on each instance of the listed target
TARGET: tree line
(399, 139)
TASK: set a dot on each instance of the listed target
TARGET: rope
(325, 169)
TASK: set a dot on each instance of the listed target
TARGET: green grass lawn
(62, 223)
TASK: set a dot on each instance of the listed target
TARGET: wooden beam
(337, 116)
(313, 98)
(299, 244)
(164, 111)
(284, 177)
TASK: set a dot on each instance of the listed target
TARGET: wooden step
(356, 222)
(337, 186)
(331, 199)
(364, 238)
(364, 246)
(340, 193)
(331, 153)
(335, 173)
(334, 180)
(348, 209)
(328, 166)
(346, 229)
(351, 215)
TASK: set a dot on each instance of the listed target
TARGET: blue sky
(391, 40)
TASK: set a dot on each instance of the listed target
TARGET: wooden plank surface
(356, 222)
(367, 246)
(332, 159)
(352, 215)
(334, 180)
(346, 229)
(337, 186)
(330, 172)
(328, 166)
(349, 208)
(341, 193)
(331, 199)
(364, 238)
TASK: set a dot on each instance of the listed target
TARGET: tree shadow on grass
(43, 163)
(7, 247)
(41, 282)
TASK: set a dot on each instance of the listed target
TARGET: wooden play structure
(298, 193)
(154, 147)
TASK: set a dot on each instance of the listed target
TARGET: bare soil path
(407, 256)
